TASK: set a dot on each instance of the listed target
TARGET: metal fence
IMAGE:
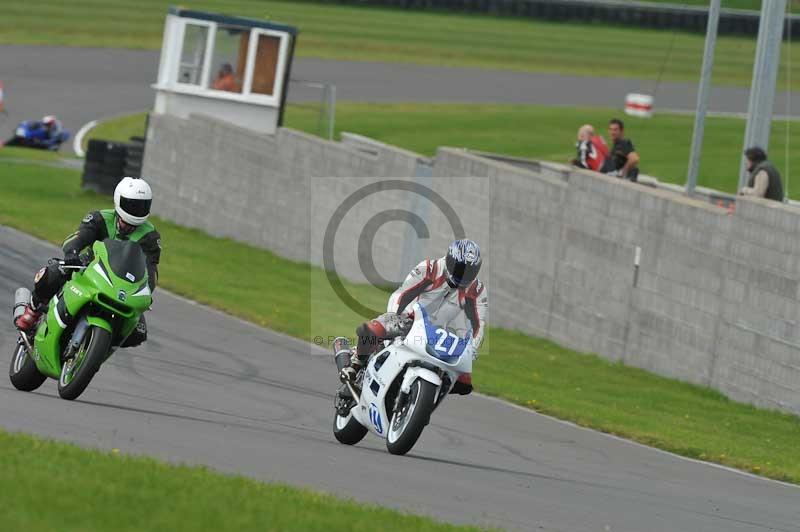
(639, 14)
(318, 96)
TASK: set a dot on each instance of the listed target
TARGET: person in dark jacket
(623, 154)
(765, 180)
(126, 221)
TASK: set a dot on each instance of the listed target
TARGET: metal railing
(638, 14)
(326, 121)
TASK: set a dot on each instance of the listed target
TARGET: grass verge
(120, 128)
(379, 34)
(538, 132)
(679, 417)
(125, 493)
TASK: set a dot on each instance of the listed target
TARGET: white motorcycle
(395, 394)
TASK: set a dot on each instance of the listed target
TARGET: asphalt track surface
(84, 84)
(210, 389)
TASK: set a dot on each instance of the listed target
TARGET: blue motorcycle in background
(36, 134)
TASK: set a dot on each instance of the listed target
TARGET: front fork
(402, 396)
(75, 341)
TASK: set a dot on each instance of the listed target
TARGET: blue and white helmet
(463, 261)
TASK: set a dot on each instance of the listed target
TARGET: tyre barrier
(107, 162)
(635, 14)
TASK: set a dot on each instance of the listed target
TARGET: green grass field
(372, 34)
(532, 372)
(538, 132)
(41, 479)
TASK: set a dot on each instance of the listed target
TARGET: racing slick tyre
(407, 423)
(347, 430)
(23, 372)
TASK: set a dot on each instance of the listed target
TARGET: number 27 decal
(443, 335)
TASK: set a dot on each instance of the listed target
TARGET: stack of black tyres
(93, 165)
(133, 159)
(108, 162)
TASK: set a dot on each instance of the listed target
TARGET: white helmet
(132, 199)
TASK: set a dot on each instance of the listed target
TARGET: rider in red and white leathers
(451, 293)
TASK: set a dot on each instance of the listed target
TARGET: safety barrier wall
(635, 14)
(231, 182)
(714, 300)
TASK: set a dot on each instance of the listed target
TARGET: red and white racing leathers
(460, 309)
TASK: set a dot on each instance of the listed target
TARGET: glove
(71, 258)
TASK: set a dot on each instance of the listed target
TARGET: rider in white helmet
(52, 126)
(126, 221)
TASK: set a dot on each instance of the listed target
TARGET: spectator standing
(765, 180)
(592, 150)
(625, 160)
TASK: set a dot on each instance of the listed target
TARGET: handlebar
(63, 267)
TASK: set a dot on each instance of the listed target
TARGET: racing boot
(343, 356)
(26, 314)
(28, 320)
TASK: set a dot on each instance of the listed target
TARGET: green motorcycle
(98, 308)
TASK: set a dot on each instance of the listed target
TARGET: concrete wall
(231, 182)
(714, 300)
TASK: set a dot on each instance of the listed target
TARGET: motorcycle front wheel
(407, 422)
(77, 372)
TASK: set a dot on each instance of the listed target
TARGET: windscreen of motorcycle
(126, 260)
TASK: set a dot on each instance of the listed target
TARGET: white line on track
(78, 142)
(637, 444)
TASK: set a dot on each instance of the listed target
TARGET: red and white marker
(639, 105)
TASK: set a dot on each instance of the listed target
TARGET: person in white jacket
(451, 293)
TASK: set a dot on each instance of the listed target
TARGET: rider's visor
(463, 274)
(135, 207)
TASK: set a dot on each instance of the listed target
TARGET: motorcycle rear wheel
(347, 430)
(407, 424)
(77, 372)
(23, 373)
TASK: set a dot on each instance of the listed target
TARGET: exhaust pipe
(22, 297)
(342, 356)
(341, 350)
